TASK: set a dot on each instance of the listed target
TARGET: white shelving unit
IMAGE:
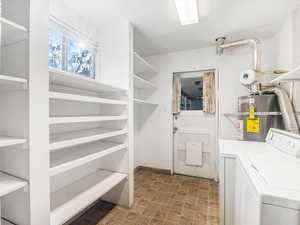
(143, 102)
(81, 98)
(13, 27)
(9, 184)
(67, 159)
(12, 32)
(10, 141)
(4, 222)
(67, 79)
(142, 67)
(76, 197)
(14, 112)
(99, 135)
(141, 83)
(84, 119)
(12, 83)
(293, 75)
(69, 139)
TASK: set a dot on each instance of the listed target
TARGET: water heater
(265, 112)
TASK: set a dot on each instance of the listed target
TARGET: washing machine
(266, 189)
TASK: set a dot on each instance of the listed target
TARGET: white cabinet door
(247, 202)
(227, 190)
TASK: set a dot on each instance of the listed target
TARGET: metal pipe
(257, 52)
(220, 41)
(287, 109)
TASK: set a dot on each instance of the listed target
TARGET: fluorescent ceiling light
(187, 11)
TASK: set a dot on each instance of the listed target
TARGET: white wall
(284, 45)
(113, 50)
(67, 15)
(157, 153)
(296, 38)
(288, 49)
(115, 53)
(296, 55)
(287, 44)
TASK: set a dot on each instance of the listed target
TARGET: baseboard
(156, 170)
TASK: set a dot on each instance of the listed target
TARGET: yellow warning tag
(252, 112)
(253, 125)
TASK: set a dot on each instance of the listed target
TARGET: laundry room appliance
(267, 114)
(261, 110)
(260, 182)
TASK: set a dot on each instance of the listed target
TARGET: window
(80, 60)
(191, 93)
(70, 55)
(55, 49)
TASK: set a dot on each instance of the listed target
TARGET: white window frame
(71, 33)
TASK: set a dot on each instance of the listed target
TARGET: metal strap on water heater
(262, 113)
(256, 114)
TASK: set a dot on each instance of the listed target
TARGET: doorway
(195, 123)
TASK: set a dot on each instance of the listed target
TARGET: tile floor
(161, 199)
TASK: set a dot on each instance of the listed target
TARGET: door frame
(217, 123)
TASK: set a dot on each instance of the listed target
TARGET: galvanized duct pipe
(287, 109)
(257, 52)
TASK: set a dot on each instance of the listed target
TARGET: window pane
(191, 94)
(80, 60)
(55, 48)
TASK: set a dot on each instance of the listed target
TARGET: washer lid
(280, 177)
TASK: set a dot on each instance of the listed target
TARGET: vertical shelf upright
(144, 105)
(143, 72)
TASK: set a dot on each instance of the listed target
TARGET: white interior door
(195, 132)
(200, 131)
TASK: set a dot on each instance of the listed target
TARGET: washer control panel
(284, 141)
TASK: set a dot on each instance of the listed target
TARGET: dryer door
(247, 201)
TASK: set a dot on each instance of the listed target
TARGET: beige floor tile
(161, 199)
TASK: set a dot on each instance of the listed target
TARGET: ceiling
(158, 29)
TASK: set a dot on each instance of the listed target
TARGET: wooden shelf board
(142, 67)
(9, 184)
(142, 83)
(72, 199)
(64, 78)
(10, 141)
(143, 102)
(293, 75)
(81, 98)
(10, 82)
(69, 158)
(69, 139)
(84, 119)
